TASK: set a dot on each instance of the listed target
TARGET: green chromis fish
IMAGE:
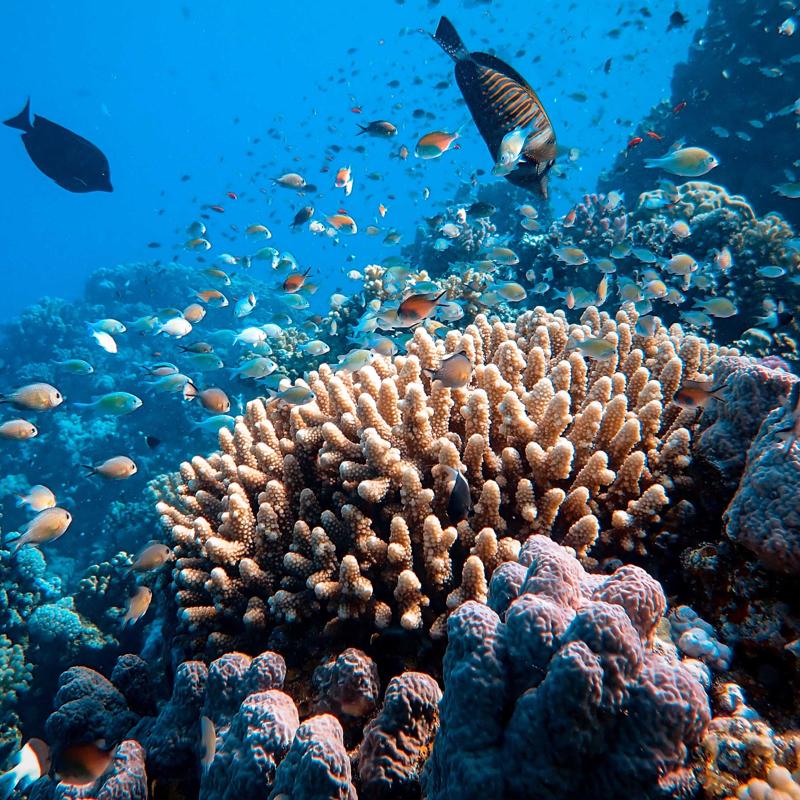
(258, 367)
(719, 307)
(213, 424)
(169, 384)
(599, 349)
(355, 360)
(204, 362)
(316, 347)
(114, 403)
(76, 366)
(294, 395)
(688, 162)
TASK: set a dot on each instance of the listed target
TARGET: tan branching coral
(338, 510)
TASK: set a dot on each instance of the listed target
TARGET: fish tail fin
(448, 39)
(8, 782)
(92, 470)
(23, 120)
(652, 163)
(363, 128)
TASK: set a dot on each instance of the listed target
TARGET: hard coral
(337, 510)
(560, 692)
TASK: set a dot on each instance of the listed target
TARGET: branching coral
(337, 509)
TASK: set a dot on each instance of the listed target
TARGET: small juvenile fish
(455, 371)
(115, 403)
(258, 231)
(177, 327)
(723, 258)
(213, 424)
(719, 307)
(258, 367)
(459, 499)
(680, 229)
(316, 347)
(153, 556)
(435, 144)
(688, 162)
(290, 180)
(34, 397)
(39, 498)
(599, 349)
(194, 312)
(212, 399)
(416, 308)
(295, 281)
(355, 360)
(45, 527)
(76, 366)
(573, 256)
(245, 306)
(18, 430)
(697, 394)
(30, 763)
(137, 606)
(116, 468)
(294, 395)
(208, 742)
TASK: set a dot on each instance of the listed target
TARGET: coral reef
(337, 510)
(560, 691)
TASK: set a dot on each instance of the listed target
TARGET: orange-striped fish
(500, 101)
(294, 282)
(417, 307)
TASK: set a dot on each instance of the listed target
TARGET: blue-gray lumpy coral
(562, 692)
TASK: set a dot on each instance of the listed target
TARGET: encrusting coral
(338, 509)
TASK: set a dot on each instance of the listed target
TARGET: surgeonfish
(501, 101)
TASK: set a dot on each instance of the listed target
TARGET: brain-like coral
(557, 690)
(764, 515)
(339, 509)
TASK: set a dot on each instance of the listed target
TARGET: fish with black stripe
(500, 101)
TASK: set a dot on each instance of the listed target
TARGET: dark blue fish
(70, 160)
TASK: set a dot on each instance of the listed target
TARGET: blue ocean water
(501, 485)
(168, 90)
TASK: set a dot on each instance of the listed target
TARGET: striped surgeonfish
(500, 101)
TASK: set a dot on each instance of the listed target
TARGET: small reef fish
(76, 366)
(573, 256)
(212, 399)
(315, 347)
(379, 128)
(459, 499)
(137, 605)
(208, 742)
(355, 360)
(115, 403)
(291, 180)
(344, 180)
(71, 161)
(45, 527)
(509, 152)
(435, 144)
(82, 764)
(18, 430)
(30, 763)
(213, 424)
(688, 162)
(34, 397)
(245, 306)
(416, 308)
(116, 468)
(294, 395)
(258, 367)
(697, 394)
(151, 557)
(598, 349)
(343, 223)
(104, 340)
(718, 307)
(194, 312)
(294, 282)
(39, 498)
(177, 327)
(455, 371)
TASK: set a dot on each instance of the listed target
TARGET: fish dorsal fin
(493, 62)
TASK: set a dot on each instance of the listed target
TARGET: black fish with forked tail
(71, 161)
(501, 101)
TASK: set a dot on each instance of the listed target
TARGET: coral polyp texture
(555, 689)
(339, 510)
